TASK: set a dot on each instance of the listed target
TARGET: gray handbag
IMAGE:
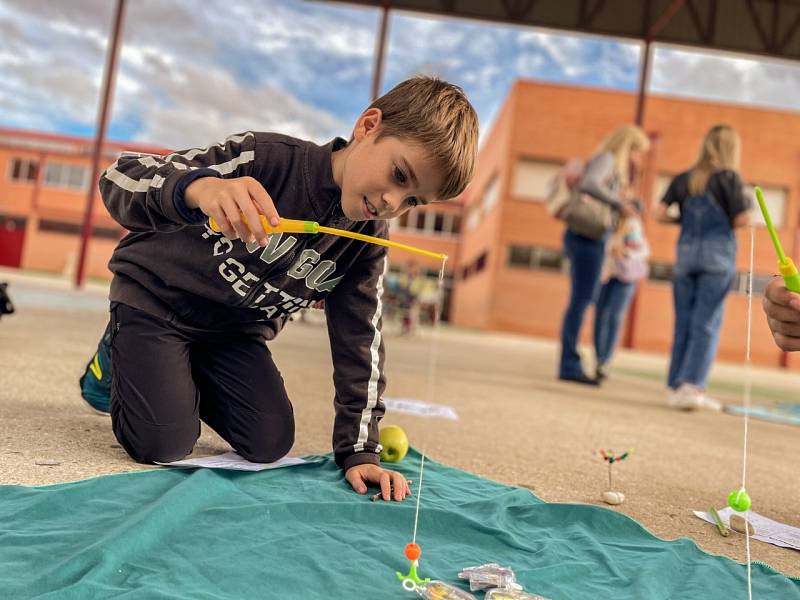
(588, 216)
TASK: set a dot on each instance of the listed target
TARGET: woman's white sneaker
(691, 397)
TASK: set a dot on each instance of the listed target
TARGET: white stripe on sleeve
(372, 386)
(132, 185)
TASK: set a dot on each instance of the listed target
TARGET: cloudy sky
(192, 72)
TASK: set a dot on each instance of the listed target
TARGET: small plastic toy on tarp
(513, 592)
(439, 590)
(499, 582)
(490, 575)
(610, 496)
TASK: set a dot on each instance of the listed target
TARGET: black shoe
(96, 380)
(584, 379)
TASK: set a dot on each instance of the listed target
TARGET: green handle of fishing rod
(785, 264)
(790, 275)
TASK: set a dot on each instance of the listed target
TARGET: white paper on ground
(767, 530)
(234, 462)
(418, 407)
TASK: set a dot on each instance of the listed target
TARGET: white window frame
(491, 194)
(64, 171)
(30, 163)
(521, 187)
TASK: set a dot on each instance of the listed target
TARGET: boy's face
(382, 179)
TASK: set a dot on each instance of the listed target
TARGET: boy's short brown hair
(436, 115)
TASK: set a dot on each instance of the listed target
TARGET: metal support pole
(644, 79)
(380, 51)
(100, 134)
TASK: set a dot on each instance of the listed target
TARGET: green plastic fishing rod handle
(792, 283)
(770, 227)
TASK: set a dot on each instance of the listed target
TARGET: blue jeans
(586, 261)
(699, 303)
(611, 306)
(704, 270)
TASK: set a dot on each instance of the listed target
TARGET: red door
(12, 238)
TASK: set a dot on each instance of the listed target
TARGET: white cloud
(726, 78)
(193, 72)
(207, 106)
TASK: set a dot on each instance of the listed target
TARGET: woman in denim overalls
(608, 176)
(711, 204)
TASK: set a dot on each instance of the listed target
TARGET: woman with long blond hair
(711, 204)
(609, 176)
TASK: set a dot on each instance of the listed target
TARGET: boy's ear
(367, 123)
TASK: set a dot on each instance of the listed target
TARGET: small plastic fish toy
(439, 590)
(513, 592)
(490, 575)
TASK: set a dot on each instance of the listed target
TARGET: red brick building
(44, 179)
(510, 272)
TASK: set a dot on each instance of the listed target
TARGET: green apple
(394, 442)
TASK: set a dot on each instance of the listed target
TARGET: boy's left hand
(389, 481)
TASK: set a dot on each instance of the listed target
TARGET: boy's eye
(399, 176)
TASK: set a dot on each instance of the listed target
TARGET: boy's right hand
(783, 315)
(235, 204)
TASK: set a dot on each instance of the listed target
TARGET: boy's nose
(392, 201)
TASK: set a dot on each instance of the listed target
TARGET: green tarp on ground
(779, 412)
(301, 533)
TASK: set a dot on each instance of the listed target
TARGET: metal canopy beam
(761, 27)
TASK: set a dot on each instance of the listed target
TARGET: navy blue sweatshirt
(173, 266)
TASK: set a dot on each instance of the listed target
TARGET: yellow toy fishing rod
(786, 266)
(297, 226)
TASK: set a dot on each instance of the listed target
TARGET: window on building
(430, 222)
(661, 271)
(23, 169)
(760, 283)
(774, 198)
(490, 194)
(8, 223)
(67, 228)
(438, 222)
(660, 187)
(535, 257)
(455, 224)
(532, 178)
(480, 263)
(476, 266)
(65, 176)
(520, 256)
